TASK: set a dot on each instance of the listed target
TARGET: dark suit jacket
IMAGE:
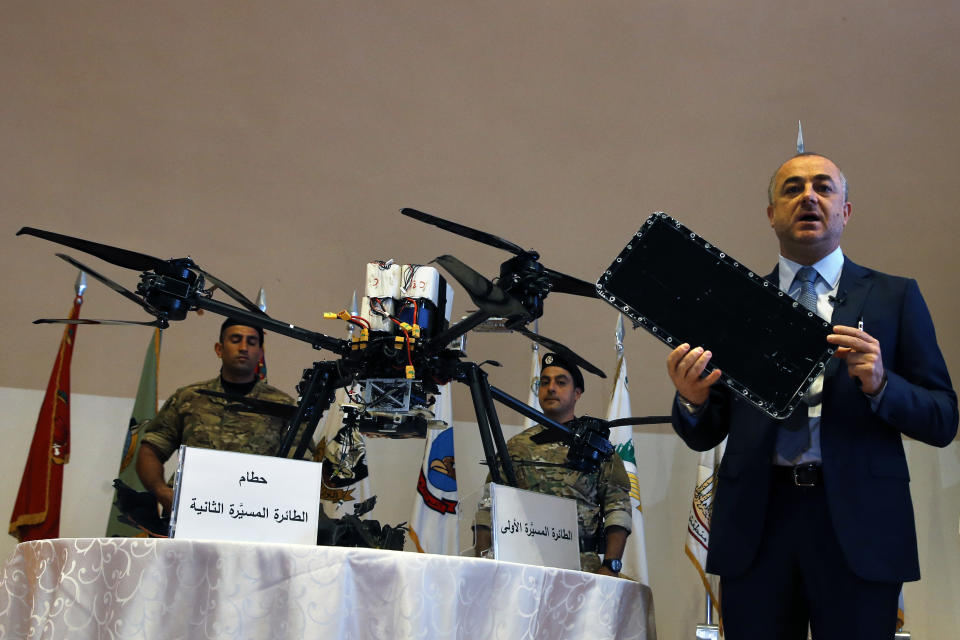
(864, 467)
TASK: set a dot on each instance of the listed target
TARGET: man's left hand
(605, 571)
(861, 351)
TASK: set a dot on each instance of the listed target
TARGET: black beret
(233, 322)
(556, 360)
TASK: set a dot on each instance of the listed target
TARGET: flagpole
(708, 630)
(634, 556)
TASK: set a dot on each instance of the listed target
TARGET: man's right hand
(165, 498)
(150, 470)
(685, 366)
(483, 542)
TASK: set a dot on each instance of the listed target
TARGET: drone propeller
(559, 282)
(564, 351)
(113, 255)
(562, 283)
(467, 232)
(487, 296)
(233, 293)
(133, 260)
(159, 322)
(126, 293)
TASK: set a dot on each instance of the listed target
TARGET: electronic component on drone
(403, 306)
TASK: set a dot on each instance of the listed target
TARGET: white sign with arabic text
(534, 528)
(223, 495)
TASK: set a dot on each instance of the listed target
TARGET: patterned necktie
(807, 276)
(793, 437)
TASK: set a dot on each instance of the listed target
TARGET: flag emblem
(443, 472)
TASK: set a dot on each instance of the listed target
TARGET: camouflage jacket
(603, 496)
(197, 420)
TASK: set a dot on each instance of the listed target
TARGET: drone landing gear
(320, 384)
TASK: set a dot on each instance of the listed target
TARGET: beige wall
(275, 142)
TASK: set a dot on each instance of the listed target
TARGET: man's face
(809, 212)
(556, 394)
(240, 351)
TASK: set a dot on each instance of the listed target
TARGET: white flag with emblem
(433, 523)
(635, 554)
(698, 524)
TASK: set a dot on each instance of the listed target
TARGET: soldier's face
(557, 395)
(240, 351)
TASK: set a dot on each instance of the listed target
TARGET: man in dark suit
(812, 517)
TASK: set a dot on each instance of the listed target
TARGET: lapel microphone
(839, 299)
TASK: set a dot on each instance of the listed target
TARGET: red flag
(36, 513)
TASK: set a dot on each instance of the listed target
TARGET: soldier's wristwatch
(614, 564)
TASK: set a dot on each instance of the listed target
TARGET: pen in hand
(858, 381)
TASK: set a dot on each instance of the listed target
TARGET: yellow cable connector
(343, 314)
(415, 331)
(360, 342)
(411, 374)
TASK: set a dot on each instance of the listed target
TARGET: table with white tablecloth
(166, 589)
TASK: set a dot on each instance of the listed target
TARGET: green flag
(144, 408)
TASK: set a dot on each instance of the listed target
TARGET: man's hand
(483, 542)
(685, 366)
(616, 542)
(165, 498)
(861, 351)
(150, 470)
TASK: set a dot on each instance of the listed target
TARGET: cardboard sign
(534, 528)
(223, 495)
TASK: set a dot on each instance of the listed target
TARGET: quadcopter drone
(405, 346)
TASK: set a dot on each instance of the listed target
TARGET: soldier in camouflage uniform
(198, 420)
(539, 456)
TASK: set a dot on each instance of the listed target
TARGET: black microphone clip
(839, 299)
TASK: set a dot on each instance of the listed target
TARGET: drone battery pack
(382, 281)
(418, 281)
(425, 317)
(378, 322)
(681, 288)
(423, 283)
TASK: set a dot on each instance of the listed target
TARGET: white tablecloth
(166, 589)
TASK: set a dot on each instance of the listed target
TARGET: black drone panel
(681, 288)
